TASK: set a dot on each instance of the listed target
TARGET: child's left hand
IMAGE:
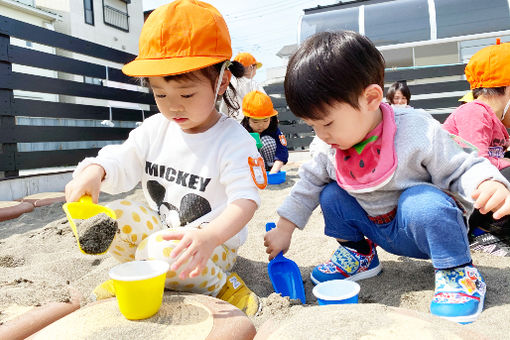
(192, 252)
(492, 196)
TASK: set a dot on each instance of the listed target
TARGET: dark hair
(273, 124)
(489, 91)
(212, 72)
(398, 86)
(331, 67)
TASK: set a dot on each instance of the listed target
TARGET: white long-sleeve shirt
(188, 178)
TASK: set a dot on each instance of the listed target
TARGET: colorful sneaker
(348, 264)
(103, 291)
(459, 294)
(238, 294)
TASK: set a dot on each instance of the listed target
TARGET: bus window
(462, 17)
(335, 20)
(396, 22)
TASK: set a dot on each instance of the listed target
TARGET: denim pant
(428, 225)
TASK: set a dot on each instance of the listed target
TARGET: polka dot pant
(140, 237)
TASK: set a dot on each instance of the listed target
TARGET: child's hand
(492, 196)
(192, 252)
(87, 182)
(278, 239)
(277, 166)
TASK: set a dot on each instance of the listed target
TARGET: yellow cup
(139, 287)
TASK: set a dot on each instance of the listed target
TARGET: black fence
(12, 108)
(440, 87)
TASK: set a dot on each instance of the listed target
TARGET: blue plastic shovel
(285, 275)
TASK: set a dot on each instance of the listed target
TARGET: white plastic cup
(336, 292)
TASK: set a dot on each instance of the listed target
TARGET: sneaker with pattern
(459, 294)
(348, 264)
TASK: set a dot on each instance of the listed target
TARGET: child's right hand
(278, 239)
(87, 182)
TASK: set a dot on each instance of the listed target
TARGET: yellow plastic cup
(139, 287)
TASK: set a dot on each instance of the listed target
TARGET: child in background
(193, 161)
(242, 86)
(261, 117)
(399, 94)
(484, 123)
(393, 176)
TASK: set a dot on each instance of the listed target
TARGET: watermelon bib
(371, 163)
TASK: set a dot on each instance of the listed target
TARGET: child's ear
(224, 82)
(373, 96)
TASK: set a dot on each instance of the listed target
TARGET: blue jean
(428, 225)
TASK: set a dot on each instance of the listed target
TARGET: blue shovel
(285, 275)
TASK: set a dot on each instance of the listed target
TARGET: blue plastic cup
(277, 178)
(336, 292)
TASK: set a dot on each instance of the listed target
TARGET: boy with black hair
(391, 177)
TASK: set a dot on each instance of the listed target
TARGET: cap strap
(218, 83)
(506, 109)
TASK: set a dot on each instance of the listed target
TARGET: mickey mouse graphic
(192, 206)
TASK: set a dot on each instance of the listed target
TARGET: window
(330, 21)
(463, 17)
(91, 80)
(115, 14)
(88, 7)
(397, 22)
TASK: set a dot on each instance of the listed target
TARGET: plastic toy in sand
(336, 292)
(277, 178)
(93, 225)
(285, 275)
(139, 287)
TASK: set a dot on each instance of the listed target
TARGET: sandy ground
(39, 261)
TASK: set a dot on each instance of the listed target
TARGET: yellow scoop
(82, 210)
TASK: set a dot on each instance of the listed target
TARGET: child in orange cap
(483, 122)
(261, 117)
(243, 85)
(193, 162)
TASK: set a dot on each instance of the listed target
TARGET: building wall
(73, 22)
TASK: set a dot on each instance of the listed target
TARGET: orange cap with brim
(180, 37)
(489, 67)
(247, 59)
(258, 105)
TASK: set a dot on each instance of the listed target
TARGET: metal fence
(437, 88)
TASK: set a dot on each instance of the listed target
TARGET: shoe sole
(356, 277)
(465, 319)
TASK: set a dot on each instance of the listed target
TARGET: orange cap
(258, 105)
(247, 59)
(489, 67)
(182, 36)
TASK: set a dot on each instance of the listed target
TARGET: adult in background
(399, 94)
(242, 85)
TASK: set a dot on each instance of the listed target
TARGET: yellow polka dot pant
(140, 237)
(211, 279)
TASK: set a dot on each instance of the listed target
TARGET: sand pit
(39, 252)
(181, 316)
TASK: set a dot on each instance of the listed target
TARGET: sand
(40, 261)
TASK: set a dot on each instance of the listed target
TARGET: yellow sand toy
(94, 231)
